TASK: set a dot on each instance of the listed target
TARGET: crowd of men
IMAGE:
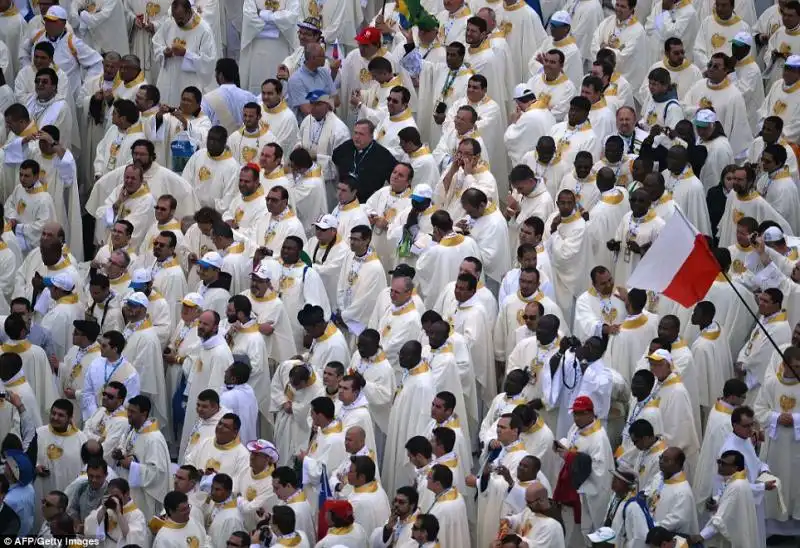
(356, 274)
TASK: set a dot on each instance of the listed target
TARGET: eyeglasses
(109, 395)
(720, 461)
(529, 317)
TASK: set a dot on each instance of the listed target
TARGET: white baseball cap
(212, 259)
(705, 117)
(743, 39)
(604, 534)
(773, 234)
(327, 222)
(62, 281)
(267, 269)
(560, 18)
(137, 298)
(141, 276)
(521, 91)
(422, 192)
(793, 61)
(661, 355)
(56, 13)
(193, 300)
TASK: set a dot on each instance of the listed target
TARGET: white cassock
(672, 503)
(681, 21)
(602, 116)
(573, 61)
(471, 320)
(683, 76)
(387, 204)
(326, 453)
(534, 123)
(586, 18)
(592, 440)
(256, 492)
(751, 205)
(309, 196)
(510, 318)
(271, 309)
(678, 417)
(755, 356)
(522, 28)
(283, 123)
(114, 149)
(644, 231)
(490, 232)
(58, 321)
(556, 94)
(712, 358)
(111, 533)
(207, 370)
(728, 103)
(783, 101)
(201, 430)
(688, 193)
(646, 409)
(361, 280)
(195, 68)
(268, 36)
(749, 81)
(272, 230)
(59, 175)
(321, 137)
(626, 40)
(585, 189)
(593, 310)
(141, 40)
(380, 387)
(292, 430)
(37, 372)
(214, 177)
(72, 54)
(349, 216)
(136, 208)
(222, 519)
(143, 350)
(56, 112)
(568, 249)
(13, 29)
(246, 211)
(490, 500)
(450, 509)
(604, 219)
(633, 339)
(780, 191)
(537, 529)
(71, 374)
(735, 523)
(370, 505)
(149, 474)
(572, 139)
(715, 35)
(398, 324)
(229, 458)
(780, 395)
(32, 209)
(388, 128)
(250, 342)
(354, 74)
(438, 84)
(758, 146)
(408, 418)
(180, 535)
(60, 452)
(102, 24)
(170, 131)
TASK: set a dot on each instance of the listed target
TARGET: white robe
(195, 68)
(149, 474)
(728, 103)
(625, 40)
(407, 419)
(451, 511)
(644, 231)
(568, 249)
(735, 521)
(712, 358)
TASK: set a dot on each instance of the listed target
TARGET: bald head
(536, 496)
(52, 231)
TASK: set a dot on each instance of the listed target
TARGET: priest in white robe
(185, 50)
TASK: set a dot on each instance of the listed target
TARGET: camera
(264, 531)
(441, 107)
(110, 503)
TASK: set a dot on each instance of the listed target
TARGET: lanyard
(108, 375)
(357, 163)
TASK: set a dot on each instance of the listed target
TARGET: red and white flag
(679, 264)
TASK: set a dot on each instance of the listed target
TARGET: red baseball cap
(369, 35)
(583, 403)
(342, 509)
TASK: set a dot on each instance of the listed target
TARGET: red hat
(369, 35)
(339, 508)
(583, 403)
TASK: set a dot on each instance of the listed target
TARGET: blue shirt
(235, 98)
(38, 336)
(22, 500)
(304, 81)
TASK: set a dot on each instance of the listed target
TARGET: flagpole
(758, 322)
